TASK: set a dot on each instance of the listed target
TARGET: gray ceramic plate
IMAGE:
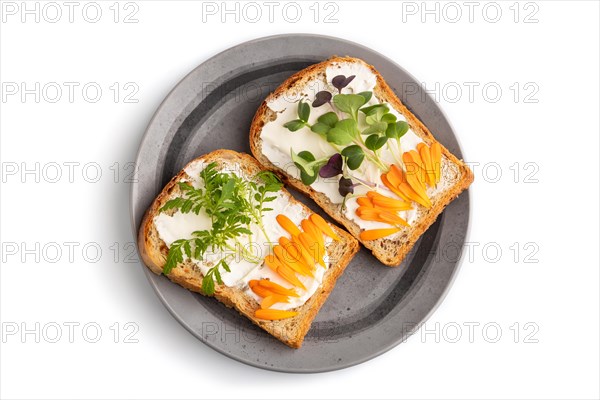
(373, 307)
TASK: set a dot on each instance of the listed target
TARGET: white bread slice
(291, 331)
(389, 251)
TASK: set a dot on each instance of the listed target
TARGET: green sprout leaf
(349, 103)
(303, 163)
(366, 95)
(310, 158)
(307, 179)
(377, 115)
(329, 119)
(320, 128)
(388, 118)
(375, 142)
(344, 133)
(371, 109)
(303, 111)
(354, 156)
(397, 130)
(294, 125)
(308, 165)
(377, 127)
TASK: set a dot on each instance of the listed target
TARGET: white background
(551, 282)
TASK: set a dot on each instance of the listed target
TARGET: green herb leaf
(329, 119)
(354, 156)
(377, 127)
(370, 109)
(306, 166)
(175, 256)
(232, 204)
(320, 128)
(344, 133)
(294, 125)
(217, 274)
(366, 95)
(308, 179)
(375, 142)
(225, 265)
(303, 111)
(208, 284)
(397, 130)
(304, 177)
(307, 155)
(227, 190)
(388, 118)
(375, 115)
(349, 103)
(269, 178)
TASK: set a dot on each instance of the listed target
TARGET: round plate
(373, 307)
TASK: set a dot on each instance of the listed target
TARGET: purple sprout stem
(369, 184)
(334, 109)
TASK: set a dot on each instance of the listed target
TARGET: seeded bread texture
(389, 251)
(290, 331)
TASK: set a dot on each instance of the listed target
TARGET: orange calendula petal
(287, 224)
(323, 226)
(289, 275)
(392, 218)
(272, 262)
(312, 246)
(379, 215)
(436, 160)
(368, 213)
(364, 201)
(276, 288)
(425, 154)
(414, 173)
(395, 175)
(271, 315)
(418, 186)
(412, 195)
(417, 159)
(374, 234)
(274, 298)
(286, 259)
(293, 255)
(308, 259)
(392, 187)
(261, 290)
(291, 250)
(405, 188)
(391, 204)
(313, 231)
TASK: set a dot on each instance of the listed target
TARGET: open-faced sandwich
(225, 227)
(337, 132)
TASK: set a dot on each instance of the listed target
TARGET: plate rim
(403, 336)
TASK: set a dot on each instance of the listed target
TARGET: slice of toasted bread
(457, 174)
(290, 331)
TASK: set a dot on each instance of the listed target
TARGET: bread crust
(291, 331)
(390, 252)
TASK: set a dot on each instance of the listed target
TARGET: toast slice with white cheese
(395, 184)
(165, 224)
